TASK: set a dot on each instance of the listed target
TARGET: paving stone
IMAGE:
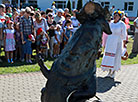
(26, 87)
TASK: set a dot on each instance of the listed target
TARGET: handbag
(124, 54)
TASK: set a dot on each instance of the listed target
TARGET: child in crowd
(51, 34)
(67, 31)
(38, 39)
(58, 40)
(67, 17)
(9, 41)
(44, 46)
(18, 42)
(28, 49)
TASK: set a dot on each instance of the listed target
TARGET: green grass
(19, 67)
(131, 22)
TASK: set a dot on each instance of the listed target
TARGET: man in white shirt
(74, 20)
(59, 17)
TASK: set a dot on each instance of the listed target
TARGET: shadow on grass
(105, 84)
(19, 63)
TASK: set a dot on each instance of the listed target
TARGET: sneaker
(0, 60)
(27, 61)
(9, 61)
(22, 60)
(112, 75)
(15, 58)
(30, 61)
(54, 56)
(51, 55)
(108, 75)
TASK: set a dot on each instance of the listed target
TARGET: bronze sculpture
(72, 77)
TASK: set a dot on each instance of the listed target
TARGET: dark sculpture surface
(72, 77)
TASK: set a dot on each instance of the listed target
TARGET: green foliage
(69, 6)
(79, 5)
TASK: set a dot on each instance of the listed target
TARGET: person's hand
(23, 42)
(33, 41)
(50, 27)
(125, 46)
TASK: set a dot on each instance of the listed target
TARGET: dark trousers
(135, 44)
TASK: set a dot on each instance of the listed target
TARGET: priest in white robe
(115, 43)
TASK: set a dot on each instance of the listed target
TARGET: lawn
(19, 67)
(131, 22)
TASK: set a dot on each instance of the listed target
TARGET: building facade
(21, 3)
(129, 6)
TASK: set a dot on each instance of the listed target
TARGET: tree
(69, 5)
(79, 5)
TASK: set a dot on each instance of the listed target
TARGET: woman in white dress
(115, 43)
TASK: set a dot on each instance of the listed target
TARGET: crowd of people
(48, 32)
(25, 30)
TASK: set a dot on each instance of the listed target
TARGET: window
(105, 4)
(35, 2)
(60, 4)
(22, 1)
(14, 3)
(128, 6)
(5, 1)
(32, 3)
(73, 4)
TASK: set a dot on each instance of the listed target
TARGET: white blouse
(119, 29)
(43, 24)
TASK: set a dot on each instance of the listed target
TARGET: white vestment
(113, 48)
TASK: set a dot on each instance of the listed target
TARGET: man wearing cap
(22, 12)
(59, 17)
(2, 19)
(26, 27)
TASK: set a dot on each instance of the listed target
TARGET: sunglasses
(28, 12)
(50, 15)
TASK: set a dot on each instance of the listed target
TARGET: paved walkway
(26, 87)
